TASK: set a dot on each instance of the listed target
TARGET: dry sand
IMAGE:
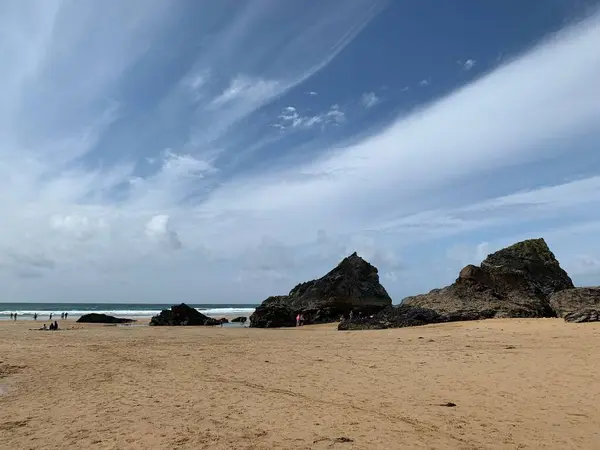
(516, 384)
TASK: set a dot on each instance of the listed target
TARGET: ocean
(27, 310)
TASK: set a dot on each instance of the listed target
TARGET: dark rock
(352, 286)
(223, 320)
(585, 315)
(409, 316)
(575, 300)
(513, 282)
(182, 315)
(102, 318)
(241, 319)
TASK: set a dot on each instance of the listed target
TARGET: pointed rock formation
(352, 286)
(513, 282)
(516, 281)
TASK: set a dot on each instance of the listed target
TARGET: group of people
(64, 316)
(52, 327)
(299, 320)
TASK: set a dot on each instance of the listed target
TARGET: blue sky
(202, 151)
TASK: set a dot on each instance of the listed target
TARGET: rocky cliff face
(516, 281)
(351, 286)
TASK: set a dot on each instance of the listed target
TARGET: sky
(221, 152)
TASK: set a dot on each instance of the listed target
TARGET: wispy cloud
(369, 99)
(291, 118)
(469, 64)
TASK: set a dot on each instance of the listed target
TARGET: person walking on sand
(298, 320)
(62, 315)
(66, 315)
(50, 317)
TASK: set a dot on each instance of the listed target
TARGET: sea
(139, 310)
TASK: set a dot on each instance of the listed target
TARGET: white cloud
(424, 83)
(290, 118)
(369, 99)
(469, 64)
(313, 93)
(158, 229)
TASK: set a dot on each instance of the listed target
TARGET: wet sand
(515, 383)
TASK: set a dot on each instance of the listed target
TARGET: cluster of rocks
(523, 280)
(181, 315)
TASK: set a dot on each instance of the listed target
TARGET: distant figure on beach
(351, 314)
(66, 315)
(44, 327)
(301, 320)
(55, 325)
(11, 316)
(298, 320)
(62, 316)
(15, 316)
(50, 316)
(34, 316)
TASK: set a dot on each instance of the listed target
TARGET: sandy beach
(515, 383)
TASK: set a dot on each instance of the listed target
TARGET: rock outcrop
(409, 316)
(516, 281)
(181, 315)
(575, 300)
(241, 319)
(351, 286)
(583, 315)
(513, 282)
(102, 318)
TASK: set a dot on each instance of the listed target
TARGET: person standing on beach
(11, 316)
(50, 316)
(66, 315)
(298, 320)
(34, 316)
(62, 315)
(15, 317)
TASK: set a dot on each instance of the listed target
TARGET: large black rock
(241, 319)
(102, 318)
(513, 282)
(352, 286)
(180, 315)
